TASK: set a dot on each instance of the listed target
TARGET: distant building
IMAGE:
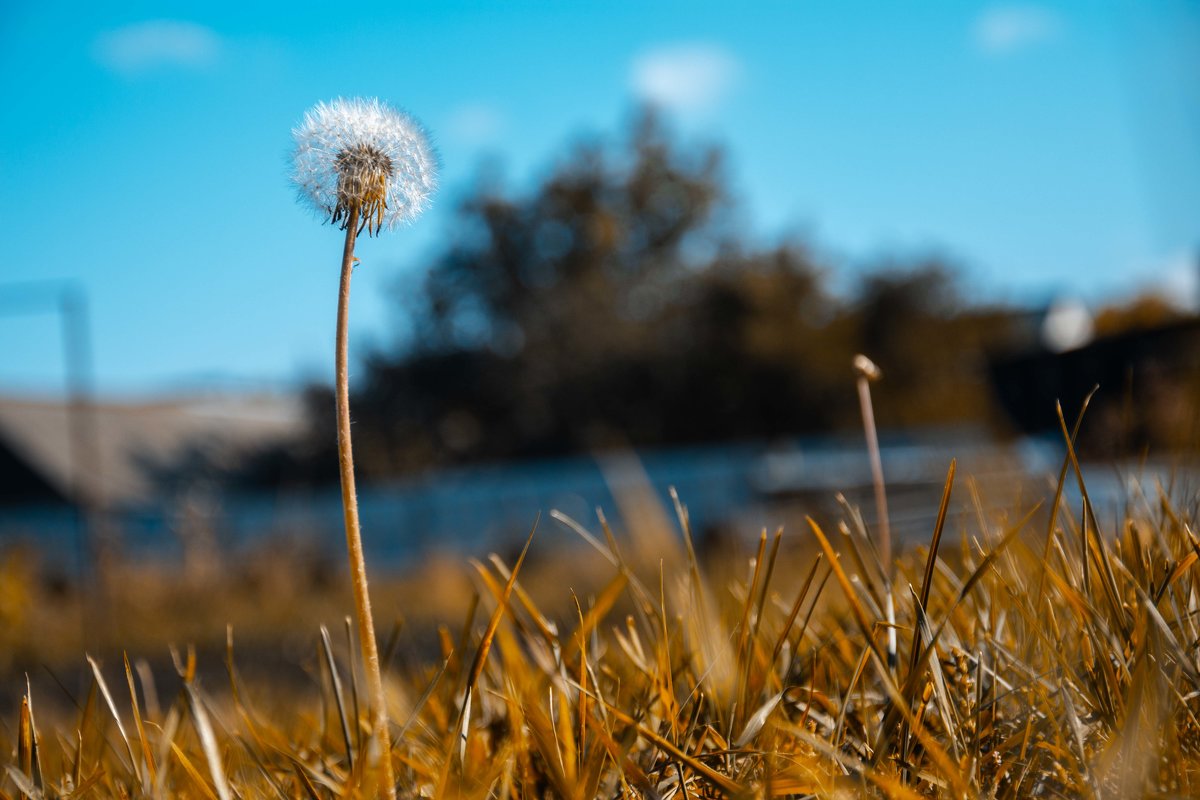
(1148, 380)
(40, 467)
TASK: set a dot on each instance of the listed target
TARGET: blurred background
(663, 232)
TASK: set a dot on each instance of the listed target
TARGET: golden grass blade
(568, 745)
(1073, 598)
(485, 645)
(338, 699)
(995, 553)
(83, 788)
(1178, 572)
(977, 732)
(866, 627)
(244, 712)
(693, 563)
(507, 644)
(392, 644)
(545, 627)
(27, 731)
(193, 773)
(26, 742)
(112, 708)
(546, 741)
(208, 740)
(352, 668)
(458, 651)
(1180, 653)
(143, 742)
(940, 692)
(420, 704)
(592, 770)
(24, 784)
(722, 782)
(857, 541)
(1077, 739)
(748, 689)
(791, 620)
(859, 668)
(87, 718)
(166, 738)
(1058, 493)
(149, 690)
(757, 721)
(599, 609)
(931, 561)
(581, 707)
(666, 680)
(891, 787)
(938, 527)
(582, 532)
(1091, 542)
(748, 605)
(77, 761)
(307, 785)
(611, 553)
(743, 647)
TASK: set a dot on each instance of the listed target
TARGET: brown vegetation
(1042, 653)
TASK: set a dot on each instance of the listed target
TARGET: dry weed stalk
(866, 372)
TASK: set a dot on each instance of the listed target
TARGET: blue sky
(143, 149)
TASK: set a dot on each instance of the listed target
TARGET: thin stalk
(358, 564)
(867, 371)
(868, 415)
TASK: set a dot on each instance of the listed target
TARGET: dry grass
(1039, 655)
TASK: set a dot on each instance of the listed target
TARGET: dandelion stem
(358, 566)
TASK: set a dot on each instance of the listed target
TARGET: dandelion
(364, 166)
(362, 154)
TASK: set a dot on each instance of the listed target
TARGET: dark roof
(35, 446)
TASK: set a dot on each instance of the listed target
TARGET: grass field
(1038, 652)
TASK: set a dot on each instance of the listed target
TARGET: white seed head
(363, 154)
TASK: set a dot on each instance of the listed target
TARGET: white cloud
(690, 79)
(144, 46)
(1000, 30)
(476, 124)
(1178, 278)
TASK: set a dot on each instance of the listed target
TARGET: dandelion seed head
(362, 153)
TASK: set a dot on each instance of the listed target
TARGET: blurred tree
(617, 303)
(1142, 312)
(595, 245)
(931, 344)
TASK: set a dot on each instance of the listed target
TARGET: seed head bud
(866, 368)
(362, 154)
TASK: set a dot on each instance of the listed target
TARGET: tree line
(617, 303)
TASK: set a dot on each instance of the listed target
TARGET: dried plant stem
(358, 565)
(866, 372)
(868, 415)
